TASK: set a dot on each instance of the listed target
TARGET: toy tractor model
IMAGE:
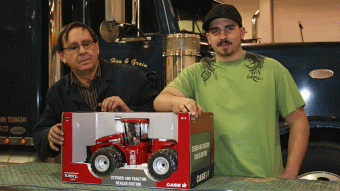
(133, 147)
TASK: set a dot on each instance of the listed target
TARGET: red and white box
(138, 149)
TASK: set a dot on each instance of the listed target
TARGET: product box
(138, 149)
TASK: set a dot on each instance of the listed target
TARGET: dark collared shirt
(89, 94)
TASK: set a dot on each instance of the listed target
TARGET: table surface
(47, 176)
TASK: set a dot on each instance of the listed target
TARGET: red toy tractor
(133, 147)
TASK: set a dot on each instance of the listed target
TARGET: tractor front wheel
(163, 163)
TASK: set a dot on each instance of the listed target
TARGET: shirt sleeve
(185, 81)
(287, 92)
(41, 129)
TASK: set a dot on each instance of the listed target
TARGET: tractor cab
(136, 130)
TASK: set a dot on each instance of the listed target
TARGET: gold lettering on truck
(128, 61)
(4, 128)
(3, 120)
(114, 60)
(134, 62)
(17, 119)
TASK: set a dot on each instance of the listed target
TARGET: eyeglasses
(74, 48)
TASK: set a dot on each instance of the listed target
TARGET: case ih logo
(72, 176)
(176, 185)
(202, 176)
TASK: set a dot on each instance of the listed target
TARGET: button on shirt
(89, 94)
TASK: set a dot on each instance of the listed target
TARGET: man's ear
(97, 47)
(243, 32)
(62, 56)
(208, 37)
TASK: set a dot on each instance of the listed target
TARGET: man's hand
(288, 175)
(180, 104)
(114, 103)
(55, 136)
(172, 99)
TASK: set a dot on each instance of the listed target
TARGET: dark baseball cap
(222, 11)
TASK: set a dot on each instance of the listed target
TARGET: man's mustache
(225, 41)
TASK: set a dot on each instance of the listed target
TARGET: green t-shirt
(246, 97)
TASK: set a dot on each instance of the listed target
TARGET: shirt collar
(75, 82)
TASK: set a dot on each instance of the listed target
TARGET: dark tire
(103, 162)
(118, 155)
(321, 161)
(163, 163)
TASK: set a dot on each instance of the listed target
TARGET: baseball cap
(222, 11)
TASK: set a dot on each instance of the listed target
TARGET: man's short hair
(66, 30)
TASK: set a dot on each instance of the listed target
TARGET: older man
(92, 85)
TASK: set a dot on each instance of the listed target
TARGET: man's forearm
(163, 102)
(297, 145)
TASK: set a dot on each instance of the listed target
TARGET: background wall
(247, 9)
(320, 20)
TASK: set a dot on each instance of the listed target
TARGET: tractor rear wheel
(118, 155)
(163, 163)
(103, 162)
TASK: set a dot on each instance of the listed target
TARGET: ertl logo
(71, 175)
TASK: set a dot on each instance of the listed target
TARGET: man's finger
(56, 139)
(58, 130)
(184, 108)
(113, 107)
(52, 145)
(199, 109)
(193, 110)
